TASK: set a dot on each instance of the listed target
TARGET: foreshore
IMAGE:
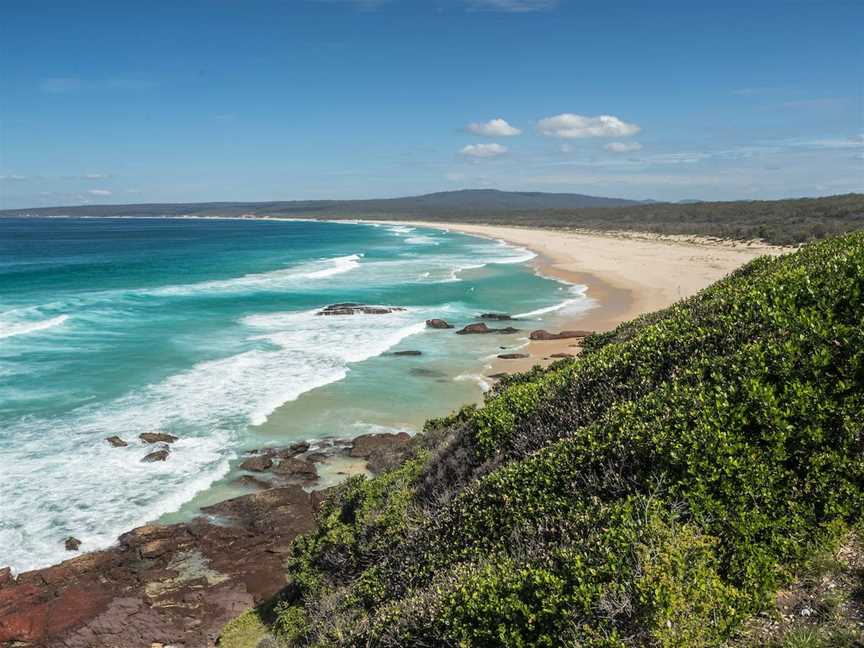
(627, 274)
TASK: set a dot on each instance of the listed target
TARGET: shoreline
(162, 565)
(627, 274)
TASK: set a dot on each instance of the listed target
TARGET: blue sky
(109, 102)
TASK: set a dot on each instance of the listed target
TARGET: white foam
(274, 280)
(11, 329)
(476, 378)
(582, 300)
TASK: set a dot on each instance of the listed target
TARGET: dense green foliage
(778, 222)
(655, 491)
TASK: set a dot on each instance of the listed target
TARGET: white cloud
(483, 150)
(493, 128)
(99, 192)
(570, 126)
(512, 6)
(623, 147)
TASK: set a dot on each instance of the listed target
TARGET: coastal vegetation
(657, 490)
(779, 222)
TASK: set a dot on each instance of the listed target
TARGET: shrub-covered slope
(655, 491)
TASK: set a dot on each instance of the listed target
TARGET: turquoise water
(207, 329)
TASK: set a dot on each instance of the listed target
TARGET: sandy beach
(626, 274)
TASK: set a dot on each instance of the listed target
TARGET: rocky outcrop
(513, 356)
(381, 451)
(259, 463)
(438, 324)
(157, 455)
(172, 585)
(353, 308)
(157, 437)
(481, 327)
(72, 544)
(116, 442)
(297, 469)
(540, 334)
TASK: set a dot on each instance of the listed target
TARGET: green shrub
(655, 491)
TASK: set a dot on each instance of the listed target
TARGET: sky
(164, 101)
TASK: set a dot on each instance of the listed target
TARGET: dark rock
(293, 450)
(116, 442)
(423, 372)
(495, 316)
(297, 468)
(257, 464)
(438, 324)
(352, 308)
(513, 356)
(546, 335)
(157, 455)
(381, 451)
(481, 327)
(248, 481)
(317, 457)
(366, 444)
(157, 437)
(72, 544)
(562, 355)
(407, 353)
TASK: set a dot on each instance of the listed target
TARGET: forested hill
(656, 491)
(779, 222)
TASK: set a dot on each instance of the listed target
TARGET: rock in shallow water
(158, 455)
(157, 437)
(481, 327)
(116, 442)
(513, 356)
(352, 308)
(438, 324)
(72, 544)
(257, 464)
(540, 334)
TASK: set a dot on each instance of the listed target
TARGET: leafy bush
(655, 491)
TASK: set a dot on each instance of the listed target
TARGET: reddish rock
(157, 455)
(257, 464)
(157, 437)
(117, 442)
(438, 324)
(546, 335)
(172, 585)
(481, 327)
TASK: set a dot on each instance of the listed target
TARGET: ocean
(207, 329)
